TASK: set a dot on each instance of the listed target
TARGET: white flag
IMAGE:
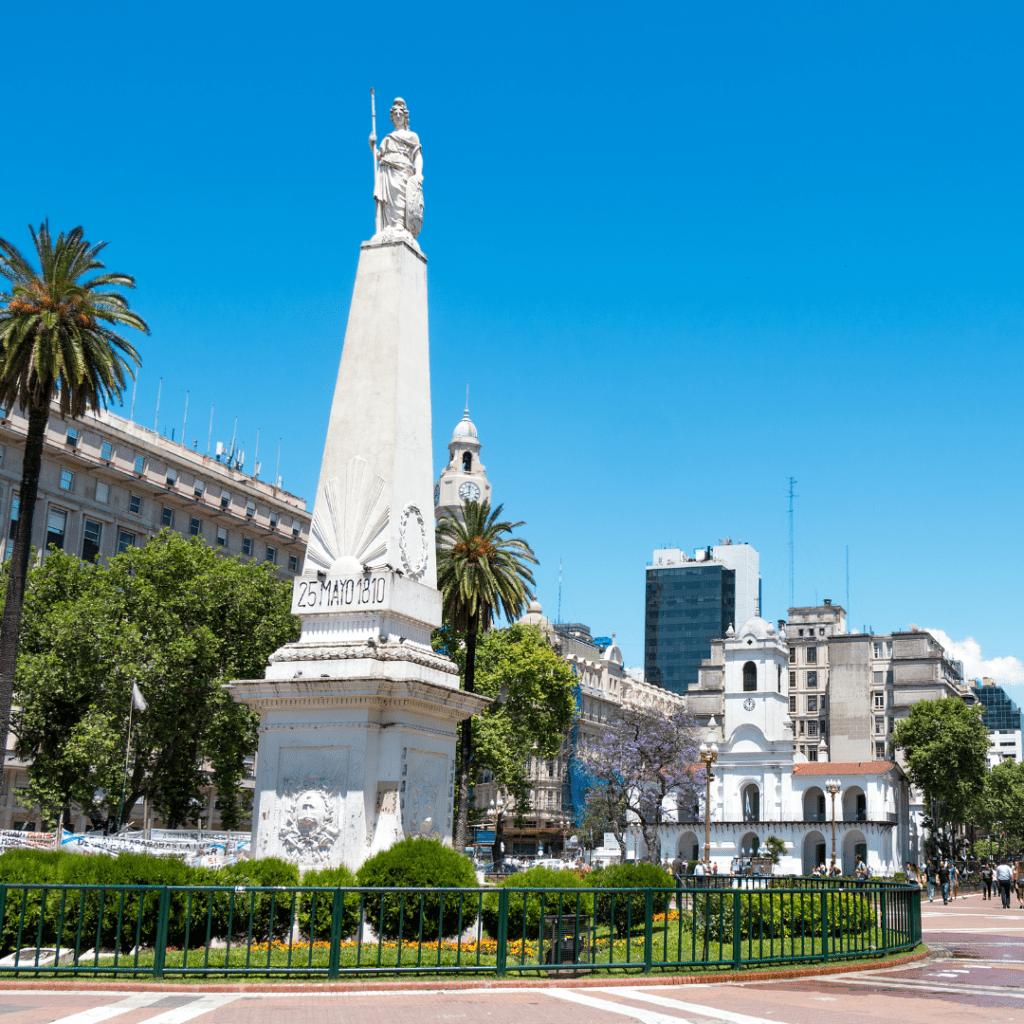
(137, 699)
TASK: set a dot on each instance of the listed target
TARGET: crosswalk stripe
(695, 1008)
(204, 1004)
(643, 1016)
(100, 1013)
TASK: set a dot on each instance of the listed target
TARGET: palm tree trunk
(462, 817)
(10, 628)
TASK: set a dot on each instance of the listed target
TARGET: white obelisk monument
(358, 717)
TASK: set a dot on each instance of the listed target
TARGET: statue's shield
(413, 206)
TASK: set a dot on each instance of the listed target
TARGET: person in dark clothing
(986, 881)
(944, 878)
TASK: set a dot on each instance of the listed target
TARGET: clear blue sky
(682, 251)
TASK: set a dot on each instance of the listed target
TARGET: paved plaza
(976, 974)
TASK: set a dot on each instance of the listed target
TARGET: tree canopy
(642, 757)
(176, 619)
(945, 744)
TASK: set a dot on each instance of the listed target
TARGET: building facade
(691, 601)
(1002, 720)
(107, 484)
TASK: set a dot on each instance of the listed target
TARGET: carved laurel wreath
(414, 572)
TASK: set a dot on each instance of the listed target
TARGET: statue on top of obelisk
(398, 179)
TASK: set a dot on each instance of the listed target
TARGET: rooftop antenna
(135, 387)
(185, 420)
(209, 436)
(467, 397)
(792, 495)
(256, 457)
(559, 619)
(234, 434)
(277, 472)
(156, 419)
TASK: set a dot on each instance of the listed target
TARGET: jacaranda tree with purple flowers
(639, 760)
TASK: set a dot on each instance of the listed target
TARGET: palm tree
(479, 571)
(55, 342)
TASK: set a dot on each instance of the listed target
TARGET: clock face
(469, 492)
(437, 493)
(748, 704)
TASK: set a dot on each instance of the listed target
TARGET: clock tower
(464, 478)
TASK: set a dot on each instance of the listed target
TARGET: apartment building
(108, 484)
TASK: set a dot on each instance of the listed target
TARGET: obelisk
(358, 716)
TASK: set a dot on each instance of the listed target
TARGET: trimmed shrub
(419, 863)
(235, 913)
(849, 913)
(629, 908)
(317, 926)
(526, 907)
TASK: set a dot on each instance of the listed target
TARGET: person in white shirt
(1004, 876)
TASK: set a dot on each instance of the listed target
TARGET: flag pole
(373, 150)
(127, 754)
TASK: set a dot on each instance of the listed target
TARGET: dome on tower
(758, 628)
(464, 429)
(612, 653)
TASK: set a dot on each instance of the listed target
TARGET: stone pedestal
(358, 716)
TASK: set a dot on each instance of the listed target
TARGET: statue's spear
(373, 150)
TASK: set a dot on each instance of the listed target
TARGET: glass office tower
(1001, 714)
(687, 606)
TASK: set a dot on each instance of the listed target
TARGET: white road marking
(961, 989)
(204, 1004)
(643, 1016)
(694, 1008)
(100, 1013)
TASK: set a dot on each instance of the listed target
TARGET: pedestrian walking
(945, 876)
(954, 879)
(677, 866)
(932, 874)
(1004, 877)
(1018, 881)
(860, 871)
(913, 878)
(986, 880)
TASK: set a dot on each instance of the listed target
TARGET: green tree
(481, 570)
(176, 619)
(1000, 806)
(945, 743)
(534, 703)
(56, 342)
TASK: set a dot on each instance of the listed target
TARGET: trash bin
(566, 938)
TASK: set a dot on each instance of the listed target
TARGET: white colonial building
(763, 786)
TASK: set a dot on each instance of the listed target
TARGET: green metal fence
(164, 931)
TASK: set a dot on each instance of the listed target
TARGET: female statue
(398, 186)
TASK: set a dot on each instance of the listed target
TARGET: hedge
(629, 908)
(527, 907)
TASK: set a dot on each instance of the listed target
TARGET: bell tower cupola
(465, 477)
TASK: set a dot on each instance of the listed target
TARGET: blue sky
(682, 251)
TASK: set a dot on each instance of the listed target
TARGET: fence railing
(160, 931)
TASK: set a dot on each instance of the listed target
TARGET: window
(72, 438)
(749, 676)
(125, 541)
(879, 751)
(801, 729)
(812, 655)
(792, 655)
(67, 480)
(888, 648)
(800, 632)
(880, 726)
(877, 650)
(879, 700)
(751, 804)
(296, 525)
(812, 702)
(247, 545)
(225, 499)
(167, 516)
(198, 488)
(812, 728)
(106, 451)
(892, 725)
(222, 537)
(821, 631)
(792, 679)
(273, 520)
(172, 476)
(56, 524)
(134, 504)
(467, 462)
(812, 753)
(271, 555)
(812, 680)
(15, 505)
(293, 563)
(250, 510)
(195, 527)
(91, 543)
(140, 464)
(792, 704)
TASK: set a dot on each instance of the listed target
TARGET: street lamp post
(709, 755)
(832, 786)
